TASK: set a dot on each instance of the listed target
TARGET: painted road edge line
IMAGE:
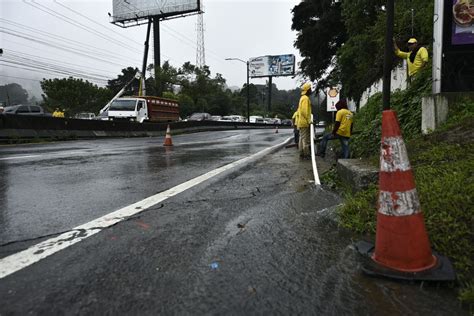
(35, 253)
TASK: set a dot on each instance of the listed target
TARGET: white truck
(140, 108)
(143, 108)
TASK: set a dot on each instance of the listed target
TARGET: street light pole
(248, 87)
(248, 94)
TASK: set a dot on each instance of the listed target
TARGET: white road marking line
(58, 154)
(25, 258)
(19, 157)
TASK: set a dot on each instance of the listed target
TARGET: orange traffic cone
(168, 141)
(276, 130)
(401, 240)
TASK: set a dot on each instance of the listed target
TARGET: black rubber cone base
(443, 271)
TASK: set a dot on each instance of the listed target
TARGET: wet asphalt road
(258, 240)
(49, 188)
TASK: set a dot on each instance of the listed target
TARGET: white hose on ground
(313, 156)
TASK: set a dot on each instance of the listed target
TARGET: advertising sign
(274, 66)
(457, 64)
(135, 10)
(462, 31)
(333, 97)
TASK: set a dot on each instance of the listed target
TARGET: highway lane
(49, 188)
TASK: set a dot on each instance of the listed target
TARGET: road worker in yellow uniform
(342, 130)
(58, 113)
(416, 58)
(304, 120)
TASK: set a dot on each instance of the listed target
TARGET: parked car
(237, 118)
(215, 117)
(199, 117)
(256, 119)
(320, 128)
(226, 118)
(269, 120)
(21, 109)
(85, 116)
(286, 122)
(104, 116)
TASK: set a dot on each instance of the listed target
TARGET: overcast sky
(77, 36)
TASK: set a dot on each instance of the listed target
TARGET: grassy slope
(443, 164)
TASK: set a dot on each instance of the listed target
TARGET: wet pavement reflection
(49, 188)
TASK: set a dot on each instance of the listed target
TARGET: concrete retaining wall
(357, 173)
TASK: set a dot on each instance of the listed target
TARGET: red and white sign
(333, 97)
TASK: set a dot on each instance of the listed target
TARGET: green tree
(343, 42)
(321, 32)
(13, 93)
(186, 105)
(197, 84)
(74, 95)
(253, 93)
(115, 85)
(166, 77)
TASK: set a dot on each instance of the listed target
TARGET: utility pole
(269, 94)
(142, 91)
(248, 94)
(387, 66)
(156, 53)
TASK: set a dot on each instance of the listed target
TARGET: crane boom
(106, 107)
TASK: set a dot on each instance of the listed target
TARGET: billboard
(333, 97)
(133, 11)
(272, 66)
(462, 31)
(457, 64)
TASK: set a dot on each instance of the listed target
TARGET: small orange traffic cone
(168, 141)
(402, 243)
(276, 130)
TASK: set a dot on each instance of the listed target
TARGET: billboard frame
(128, 22)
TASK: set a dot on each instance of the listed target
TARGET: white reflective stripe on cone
(394, 155)
(399, 203)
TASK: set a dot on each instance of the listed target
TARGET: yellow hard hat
(412, 41)
(305, 88)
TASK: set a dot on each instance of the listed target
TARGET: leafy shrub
(407, 104)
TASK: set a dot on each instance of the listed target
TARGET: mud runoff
(286, 254)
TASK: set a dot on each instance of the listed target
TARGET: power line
(37, 80)
(64, 39)
(191, 43)
(68, 49)
(102, 82)
(85, 17)
(78, 24)
(50, 59)
(52, 66)
(53, 69)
